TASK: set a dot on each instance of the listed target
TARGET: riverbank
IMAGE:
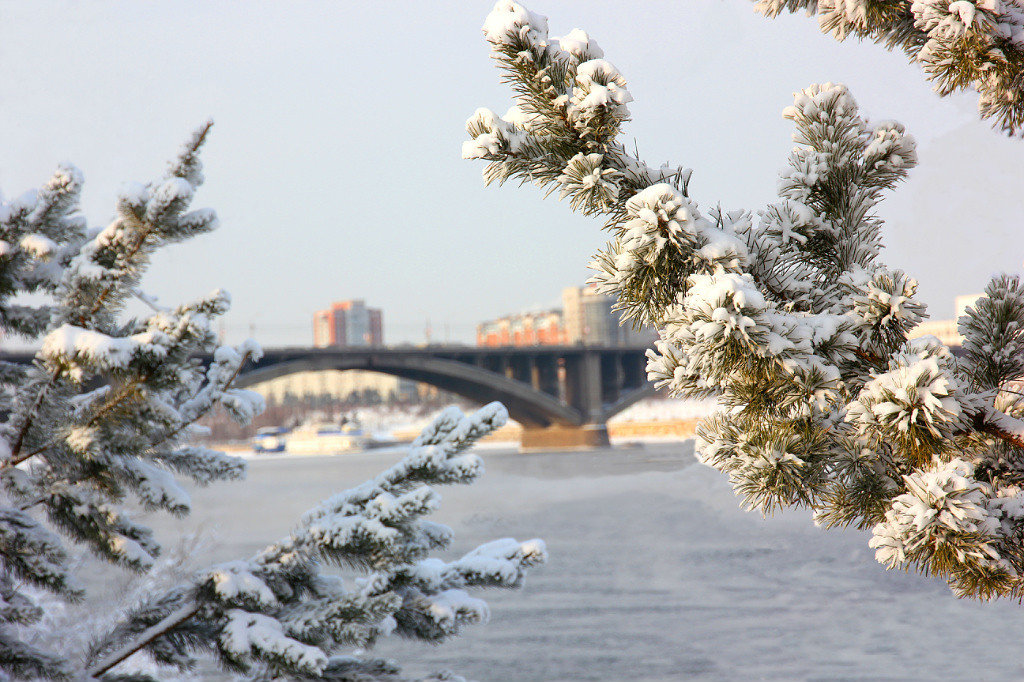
(670, 429)
(620, 433)
(649, 420)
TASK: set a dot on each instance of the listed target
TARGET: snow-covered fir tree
(960, 44)
(788, 316)
(101, 425)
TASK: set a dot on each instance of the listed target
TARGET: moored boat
(269, 439)
(326, 439)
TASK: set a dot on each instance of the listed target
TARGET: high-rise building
(323, 328)
(347, 324)
(376, 325)
(590, 320)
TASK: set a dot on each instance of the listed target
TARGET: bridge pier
(559, 437)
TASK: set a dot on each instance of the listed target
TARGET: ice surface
(655, 574)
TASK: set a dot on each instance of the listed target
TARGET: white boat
(269, 439)
(326, 439)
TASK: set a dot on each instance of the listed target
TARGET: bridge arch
(529, 407)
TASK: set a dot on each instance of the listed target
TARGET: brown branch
(28, 421)
(870, 357)
(147, 229)
(231, 380)
(113, 403)
(169, 622)
(1003, 435)
(979, 423)
(14, 460)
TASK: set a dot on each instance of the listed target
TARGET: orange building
(348, 323)
(525, 329)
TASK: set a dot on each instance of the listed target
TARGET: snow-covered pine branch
(960, 44)
(279, 614)
(101, 423)
(102, 417)
(788, 317)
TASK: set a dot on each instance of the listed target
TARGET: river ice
(655, 574)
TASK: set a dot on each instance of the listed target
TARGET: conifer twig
(169, 622)
(13, 459)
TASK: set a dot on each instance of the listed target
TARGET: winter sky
(335, 160)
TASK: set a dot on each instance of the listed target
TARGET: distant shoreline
(640, 430)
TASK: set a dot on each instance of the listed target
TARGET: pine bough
(278, 615)
(101, 423)
(960, 44)
(788, 317)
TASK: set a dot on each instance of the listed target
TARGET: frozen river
(654, 574)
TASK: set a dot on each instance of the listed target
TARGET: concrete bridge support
(584, 389)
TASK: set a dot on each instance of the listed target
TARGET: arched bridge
(562, 395)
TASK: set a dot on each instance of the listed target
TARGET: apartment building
(348, 324)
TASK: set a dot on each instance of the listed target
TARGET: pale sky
(335, 161)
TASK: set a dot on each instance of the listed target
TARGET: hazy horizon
(335, 161)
